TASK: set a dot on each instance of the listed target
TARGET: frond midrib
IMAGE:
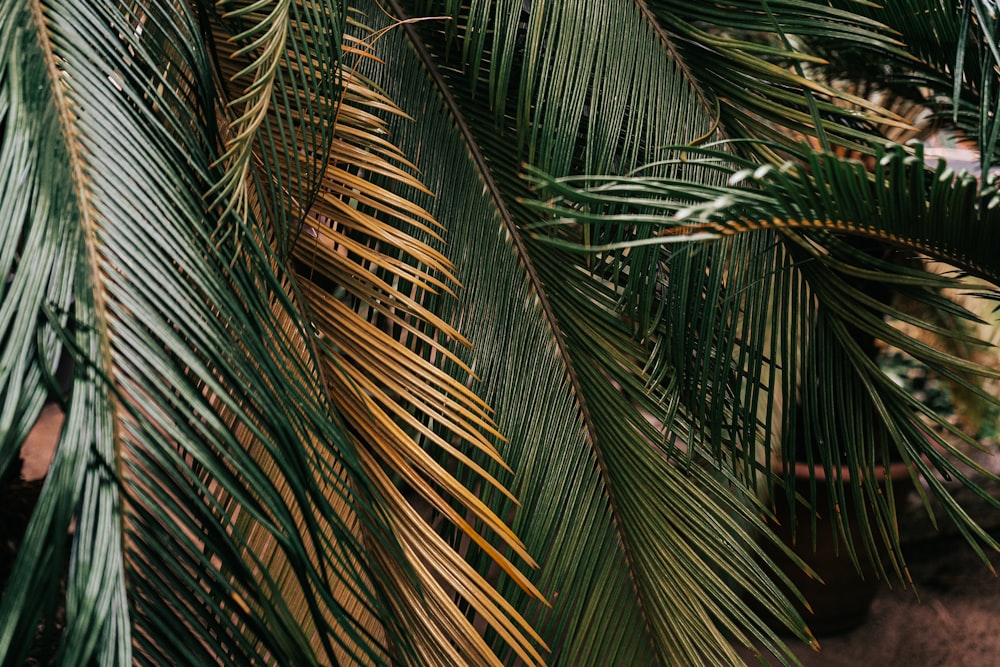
(534, 280)
(88, 221)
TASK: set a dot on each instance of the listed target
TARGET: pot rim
(897, 471)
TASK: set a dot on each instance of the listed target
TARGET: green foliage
(464, 333)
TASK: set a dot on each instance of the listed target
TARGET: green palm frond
(823, 292)
(941, 213)
(613, 419)
(146, 444)
(745, 56)
(736, 56)
(235, 472)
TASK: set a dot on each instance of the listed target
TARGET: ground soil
(951, 613)
(949, 617)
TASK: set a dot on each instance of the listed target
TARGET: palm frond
(748, 56)
(222, 511)
(365, 275)
(801, 211)
(146, 444)
(279, 64)
(587, 433)
(264, 44)
(736, 56)
(941, 213)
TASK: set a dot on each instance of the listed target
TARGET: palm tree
(452, 333)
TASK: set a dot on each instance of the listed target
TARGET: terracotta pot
(842, 601)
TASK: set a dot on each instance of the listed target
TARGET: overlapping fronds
(332, 394)
(941, 213)
(263, 43)
(231, 486)
(172, 334)
(738, 57)
(825, 295)
(279, 64)
(597, 414)
(365, 275)
(748, 59)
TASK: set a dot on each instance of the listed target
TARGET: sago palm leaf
(615, 474)
(383, 352)
(363, 278)
(173, 337)
(279, 64)
(832, 301)
(742, 57)
(223, 488)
